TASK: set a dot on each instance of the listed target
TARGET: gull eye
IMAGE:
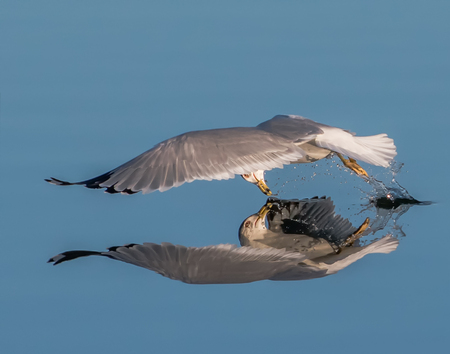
(247, 224)
(246, 176)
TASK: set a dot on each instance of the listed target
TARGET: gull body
(222, 153)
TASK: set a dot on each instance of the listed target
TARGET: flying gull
(223, 153)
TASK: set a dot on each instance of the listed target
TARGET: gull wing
(317, 218)
(314, 217)
(200, 155)
(219, 264)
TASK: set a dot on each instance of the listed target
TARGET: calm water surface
(87, 87)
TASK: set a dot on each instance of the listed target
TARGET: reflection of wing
(387, 244)
(220, 264)
(314, 217)
(200, 155)
(227, 264)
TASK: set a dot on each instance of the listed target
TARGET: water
(88, 87)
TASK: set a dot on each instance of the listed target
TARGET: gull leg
(356, 235)
(353, 165)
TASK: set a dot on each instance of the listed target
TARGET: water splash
(381, 197)
(392, 194)
(390, 200)
(393, 189)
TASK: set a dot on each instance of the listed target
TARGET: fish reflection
(303, 239)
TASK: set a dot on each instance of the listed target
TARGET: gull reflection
(285, 240)
(308, 226)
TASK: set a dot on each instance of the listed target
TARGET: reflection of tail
(349, 255)
(377, 150)
(385, 245)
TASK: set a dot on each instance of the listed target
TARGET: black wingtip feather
(89, 183)
(111, 190)
(93, 183)
(69, 255)
(58, 182)
(128, 191)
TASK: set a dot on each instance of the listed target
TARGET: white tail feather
(385, 245)
(377, 150)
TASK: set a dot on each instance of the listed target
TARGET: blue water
(87, 86)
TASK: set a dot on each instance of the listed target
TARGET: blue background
(87, 85)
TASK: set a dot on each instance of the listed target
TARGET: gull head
(258, 179)
(252, 228)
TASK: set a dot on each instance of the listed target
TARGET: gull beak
(262, 213)
(263, 187)
(258, 179)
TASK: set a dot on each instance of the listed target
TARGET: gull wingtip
(58, 182)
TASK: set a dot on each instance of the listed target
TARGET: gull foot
(356, 235)
(353, 165)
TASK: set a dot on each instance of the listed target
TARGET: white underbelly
(309, 246)
(313, 152)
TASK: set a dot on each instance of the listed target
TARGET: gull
(275, 259)
(220, 154)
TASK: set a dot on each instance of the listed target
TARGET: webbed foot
(356, 235)
(353, 165)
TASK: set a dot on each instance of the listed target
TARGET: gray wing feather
(227, 264)
(219, 264)
(204, 155)
(211, 154)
